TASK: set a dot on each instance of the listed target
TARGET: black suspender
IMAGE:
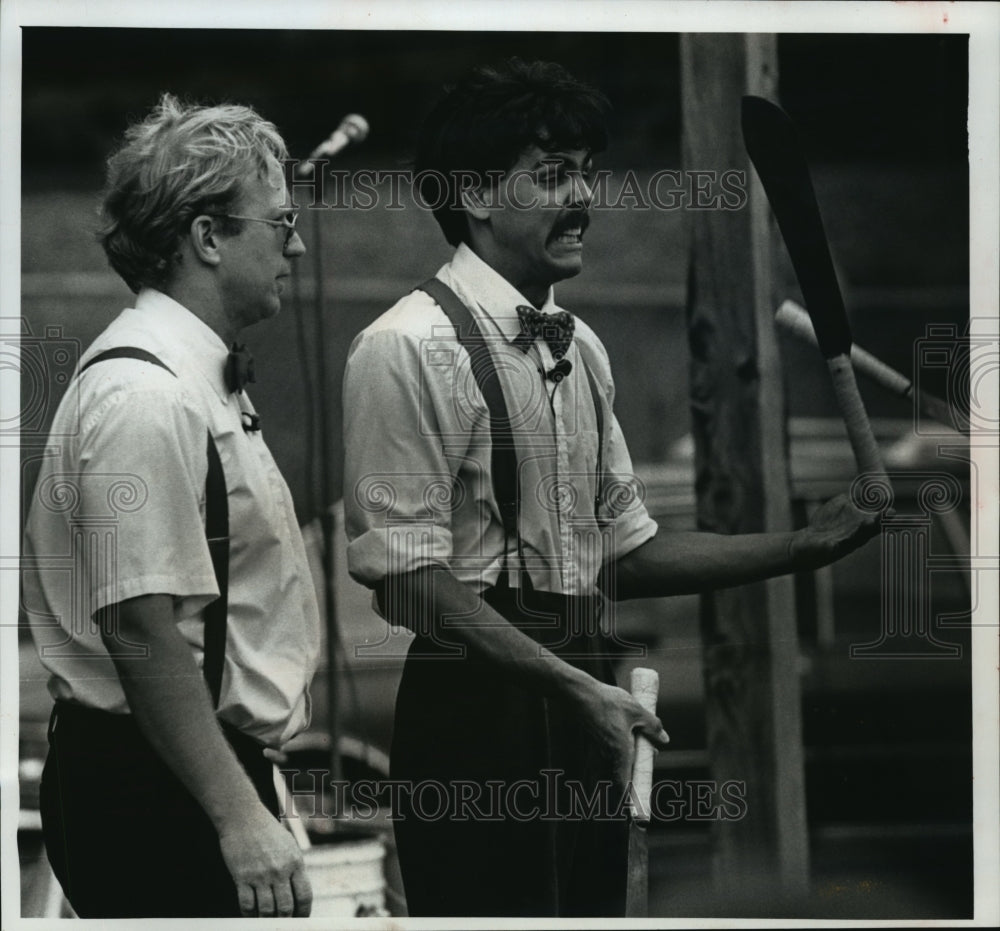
(595, 395)
(504, 454)
(216, 613)
(216, 533)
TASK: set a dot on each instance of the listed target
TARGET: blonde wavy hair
(179, 162)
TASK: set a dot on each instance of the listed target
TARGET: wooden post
(749, 634)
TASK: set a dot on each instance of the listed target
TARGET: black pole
(325, 508)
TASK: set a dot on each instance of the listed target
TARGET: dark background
(889, 98)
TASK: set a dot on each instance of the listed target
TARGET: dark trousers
(123, 835)
(505, 808)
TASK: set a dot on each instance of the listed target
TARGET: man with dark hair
(157, 798)
(495, 508)
(482, 126)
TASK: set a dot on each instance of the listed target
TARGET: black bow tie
(556, 329)
(239, 368)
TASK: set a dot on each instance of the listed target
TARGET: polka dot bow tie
(556, 329)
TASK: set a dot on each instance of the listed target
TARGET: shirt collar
(198, 345)
(483, 286)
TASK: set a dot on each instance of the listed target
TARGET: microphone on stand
(352, 128)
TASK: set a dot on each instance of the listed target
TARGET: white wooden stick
(795, 320)
(852, 409)
(645, 687)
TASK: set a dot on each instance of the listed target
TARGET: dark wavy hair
(179, 162)
(485, 121)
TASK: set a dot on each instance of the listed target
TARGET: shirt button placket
(567, 570)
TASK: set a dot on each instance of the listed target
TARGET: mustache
(571, 220)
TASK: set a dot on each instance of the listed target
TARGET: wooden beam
(751, 651)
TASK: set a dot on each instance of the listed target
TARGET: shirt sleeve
(398, 483)
(623, 498)
(143, 462)
(623, 508)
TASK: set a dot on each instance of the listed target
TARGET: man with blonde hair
(186, 640)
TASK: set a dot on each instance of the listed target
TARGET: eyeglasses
(288, 221)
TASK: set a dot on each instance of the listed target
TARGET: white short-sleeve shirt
(118, 512)
(418, 486)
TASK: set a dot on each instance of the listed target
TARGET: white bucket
(348, 879)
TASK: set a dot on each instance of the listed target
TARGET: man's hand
(835, 530)
(171, 706)
(613, 717)
(266, 865)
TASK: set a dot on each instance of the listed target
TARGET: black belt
(550, 618)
